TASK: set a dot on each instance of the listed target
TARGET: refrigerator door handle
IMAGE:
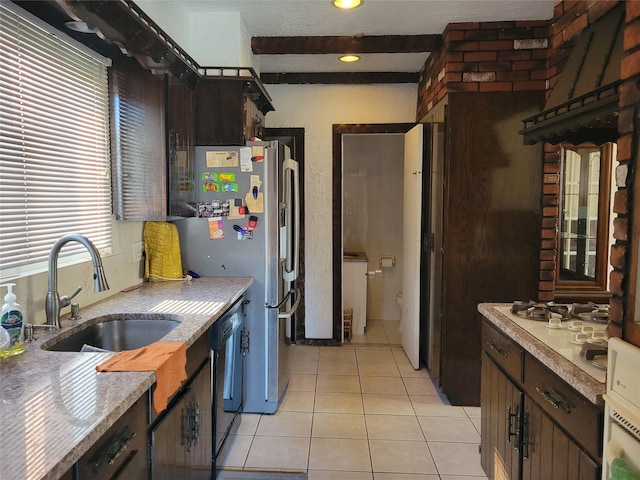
(290, 275)
(295, 305)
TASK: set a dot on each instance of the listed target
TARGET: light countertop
(350, 256)
(54, 405)
(584, 383)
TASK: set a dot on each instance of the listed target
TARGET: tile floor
(361, 412)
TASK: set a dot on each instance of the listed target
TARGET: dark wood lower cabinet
(524, 436)
(549, 452)
(182, 439)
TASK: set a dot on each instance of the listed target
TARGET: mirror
(584, 238)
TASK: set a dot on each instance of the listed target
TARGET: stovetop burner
(543, 311)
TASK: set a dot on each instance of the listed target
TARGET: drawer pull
(554, 399)
(524, 440)
(112, 450)
(496, 347)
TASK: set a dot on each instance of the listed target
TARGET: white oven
(622, 407)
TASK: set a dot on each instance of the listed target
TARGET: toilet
(399, 303)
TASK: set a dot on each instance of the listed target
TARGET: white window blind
(54, 143)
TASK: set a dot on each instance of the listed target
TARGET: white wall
(120, 270)
(373, 169)
(316, 108)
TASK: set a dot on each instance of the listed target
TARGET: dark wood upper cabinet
(225, 113)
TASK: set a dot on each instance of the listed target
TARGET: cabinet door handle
(511, 430)
(553, 398)
(496, 347)
(192, 426)
(112, 450)
(524, 439)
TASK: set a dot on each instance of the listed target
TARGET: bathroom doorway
(359, 139)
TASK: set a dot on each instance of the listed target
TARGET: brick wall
(485, 57)
(628, 145)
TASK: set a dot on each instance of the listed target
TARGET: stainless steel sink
(115, 332)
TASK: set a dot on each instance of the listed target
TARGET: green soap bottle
(11, 320)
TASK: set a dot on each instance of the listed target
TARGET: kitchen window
(54, 144)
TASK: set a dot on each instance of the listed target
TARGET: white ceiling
(270, 18)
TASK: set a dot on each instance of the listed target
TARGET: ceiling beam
(343, 44)
(349, 78)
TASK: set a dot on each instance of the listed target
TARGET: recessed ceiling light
(349, 58)
(346, 4)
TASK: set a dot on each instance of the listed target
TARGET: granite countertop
(574, 376)
(355, 257)
(54, 405)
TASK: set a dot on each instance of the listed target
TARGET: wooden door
(412, 243)
(501, 406)
(492, 222)
(549, 453)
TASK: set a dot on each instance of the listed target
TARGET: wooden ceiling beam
(348, 78)
(343, 44)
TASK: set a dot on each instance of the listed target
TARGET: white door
(412, 230)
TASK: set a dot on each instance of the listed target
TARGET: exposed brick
(453, 77)
(621, 175)
(462, 67)
(597, 9)
(558, 10)
(548, 233)
(512, 76)
(546, 296)
(454, 35)
(632, 36)
(530, 44)
(465, 25)
(620, 202)
(630, 65)
(480, 56)
(555, 179)
(620, 229)
(496, 25)
(532, 23)
(575, 27)
(616, 311)
(529, 65)
(625, 120)
(550, 189)
(549, 222)
(551, 168)
(615, 283)
(496, 87)
(453, 57)
(529, 85)
(632, 10)
(496, 45)
(514, 55)
(539, 75)
(494, 66)
(478, 77)
(546, 286)
(488, 34)
(463, 87)
(629, 94)
(548, 244)
(618, 256)
(547, 255)
(463, 46)
(624, 147)
(539, 54)
(513, 33)
(548, 275)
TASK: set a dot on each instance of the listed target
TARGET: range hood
(583, 105)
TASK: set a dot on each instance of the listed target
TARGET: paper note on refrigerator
(245, 159)
(225, 159)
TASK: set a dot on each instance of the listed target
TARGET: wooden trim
(350, 78)
(338, 131)
(345, 44)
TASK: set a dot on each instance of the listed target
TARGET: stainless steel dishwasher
(228, 376)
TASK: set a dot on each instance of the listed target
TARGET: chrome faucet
(54, 302)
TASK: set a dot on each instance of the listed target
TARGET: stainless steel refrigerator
(247, 225)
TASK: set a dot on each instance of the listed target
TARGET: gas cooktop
(566, 335)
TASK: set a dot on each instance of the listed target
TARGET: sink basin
(116, 332)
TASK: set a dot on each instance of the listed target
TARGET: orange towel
(167, 359)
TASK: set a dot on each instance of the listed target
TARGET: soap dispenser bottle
(11, 320)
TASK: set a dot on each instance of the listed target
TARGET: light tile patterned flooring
(361, 412)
